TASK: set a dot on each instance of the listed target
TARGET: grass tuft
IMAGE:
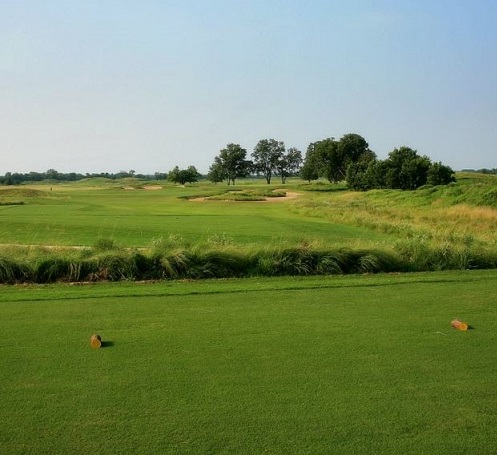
(12, 271)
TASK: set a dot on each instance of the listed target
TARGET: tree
(362, 172)
(160, 176)
(231, 163)
(289, 163)
(183, 176)
(310, 169)
(328, 159)
(439, 174)
(351, 149)
(406, 169)
(266, 156)
(51, 174)
(216, 171)
(334, 156)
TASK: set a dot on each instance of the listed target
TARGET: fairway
(75, 215)
(316, 365)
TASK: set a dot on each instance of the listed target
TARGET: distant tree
(483, 171)
(173, 175)
(193, 174)
(216, 172)
(351, 149)
(328, 159)
(72, 177)
(183, 176)
(334, 157)
(289, 163)
(310, 168)
(119, 175)
(406, 170)
(266, 156)
(160, 176)
(231, 163)
(51, 174)
(8, 179)
(440, 174)
(376, 173)
(361, 173)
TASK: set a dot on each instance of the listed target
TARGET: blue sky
(107, 85)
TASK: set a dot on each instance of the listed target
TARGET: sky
(146, 85)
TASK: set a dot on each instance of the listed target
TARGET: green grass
(433, 228)
(348, 364)
(79, 215)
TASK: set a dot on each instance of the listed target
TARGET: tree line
(346, 159)
(16, 178)
(269, 158)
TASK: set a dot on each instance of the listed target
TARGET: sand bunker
(289, 195)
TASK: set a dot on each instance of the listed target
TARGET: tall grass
(12, 271)
(460, 214)
(198, 262)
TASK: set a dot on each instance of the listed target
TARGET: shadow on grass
(107, 344)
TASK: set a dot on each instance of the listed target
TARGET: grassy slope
(461, 214)
(310, 365)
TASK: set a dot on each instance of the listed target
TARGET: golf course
(300, 318)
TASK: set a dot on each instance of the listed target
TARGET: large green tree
(328, 159)
(266, 156)
(333, 157)
(440, 174)
(183, 176)
(230, 164)
(216, 171)
(289, 163)
(404, 169)
(310, 168)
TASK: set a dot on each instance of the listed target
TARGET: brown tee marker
(95, 341)
(459, 325)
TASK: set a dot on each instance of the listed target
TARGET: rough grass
(109, 262)
(461, 214)
(118, 264)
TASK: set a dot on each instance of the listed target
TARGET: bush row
(198, 263)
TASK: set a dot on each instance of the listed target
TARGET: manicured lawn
(72, 215)
(353, 364)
